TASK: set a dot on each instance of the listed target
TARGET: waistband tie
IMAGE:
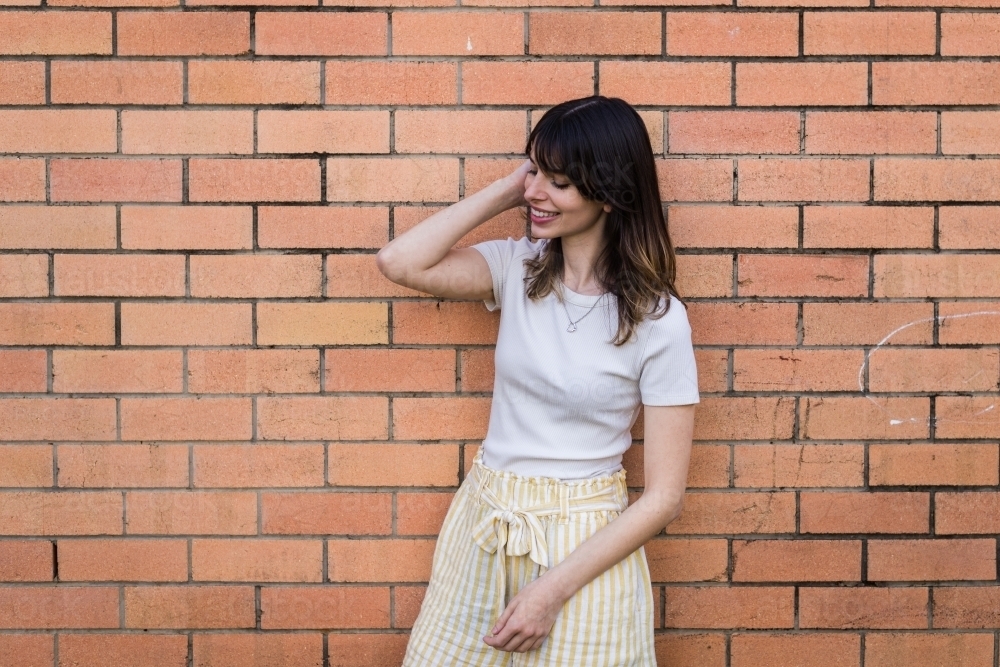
(517, 531)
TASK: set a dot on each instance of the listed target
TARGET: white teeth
(543, 214)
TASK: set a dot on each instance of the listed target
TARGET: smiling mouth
(542, 215)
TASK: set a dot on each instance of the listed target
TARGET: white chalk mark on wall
(941, 319)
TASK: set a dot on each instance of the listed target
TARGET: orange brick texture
(227, 440)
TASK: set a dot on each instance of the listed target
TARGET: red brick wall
(228, 440)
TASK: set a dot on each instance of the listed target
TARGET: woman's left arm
(529, 616)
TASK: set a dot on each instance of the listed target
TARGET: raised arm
(423, 258)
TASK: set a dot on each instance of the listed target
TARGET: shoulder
(511, 248)
(670, 328)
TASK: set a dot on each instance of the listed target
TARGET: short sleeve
(500, 254)
(668, 374)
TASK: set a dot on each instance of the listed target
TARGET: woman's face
(557, 208)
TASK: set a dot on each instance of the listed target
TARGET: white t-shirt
(564, 403)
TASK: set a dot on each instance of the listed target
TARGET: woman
(540, 560)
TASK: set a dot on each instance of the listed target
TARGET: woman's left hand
(527, 619)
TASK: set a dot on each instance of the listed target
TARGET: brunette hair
(600, 144)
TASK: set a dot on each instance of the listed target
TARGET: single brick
(248, 371)
(757, 649)
(379, 560)
(863, 607)
(745, 323)
(337, 513)
(867, 323)
(802, 275)
(255, 276)
(115, 180)
(758, 465)
(61, 513)
(864, 418)
(442, 131)
(24, 371)
(122, 465)
(379, 179)
(329, 323)
(55, 33)
(184, 33)
(944, 179)
(58, 418)
(457, 33)
(970, 34)
(735, 512)
(187, 132)
(22, 82)
(123, 559)
(869, 33)
(871, 132)
(935, 82)
(667, 83)
(253, 82)
(256, 559)
(185, 323)
(920, 649)
(868, 226)
(767, 560)
(969, 132)
(58, 131)
(864, 512)
(191, 512)
(58, 607)
(184, 607)
(186, 227)
(733, 132)
(99, 650)
(323, 418)
(940, 275)
(253, 179)
(548, 82)
(401, 464)
(22, 179)
(724, 226)
(24, 275)
(396, 82)
(307, 131)
(561, 33)
(26, 560)
(31, 226)
(117, 82)
(40, 323)
(680, 560)
(452, 418)
(796, 370)
(965, 464)
(185, 418)
(264, 464)
(932, 559)
(393, 370)
(326, 607)
(933, 369)
(803, 179)
(323, 226)
(965, 512)
(273, 648)
(754, 607)
(321, 34)
(129, 275)
(732, 34)
(798, 84)
(690, 180)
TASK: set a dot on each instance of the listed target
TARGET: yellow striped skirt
(501, 532)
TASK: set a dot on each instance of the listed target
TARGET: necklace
(572, 325)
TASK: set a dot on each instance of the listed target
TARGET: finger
(514, 642)
(504, 617)
(526, 644)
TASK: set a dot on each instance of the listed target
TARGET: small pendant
(571, 328)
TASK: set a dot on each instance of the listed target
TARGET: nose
(533, 191)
